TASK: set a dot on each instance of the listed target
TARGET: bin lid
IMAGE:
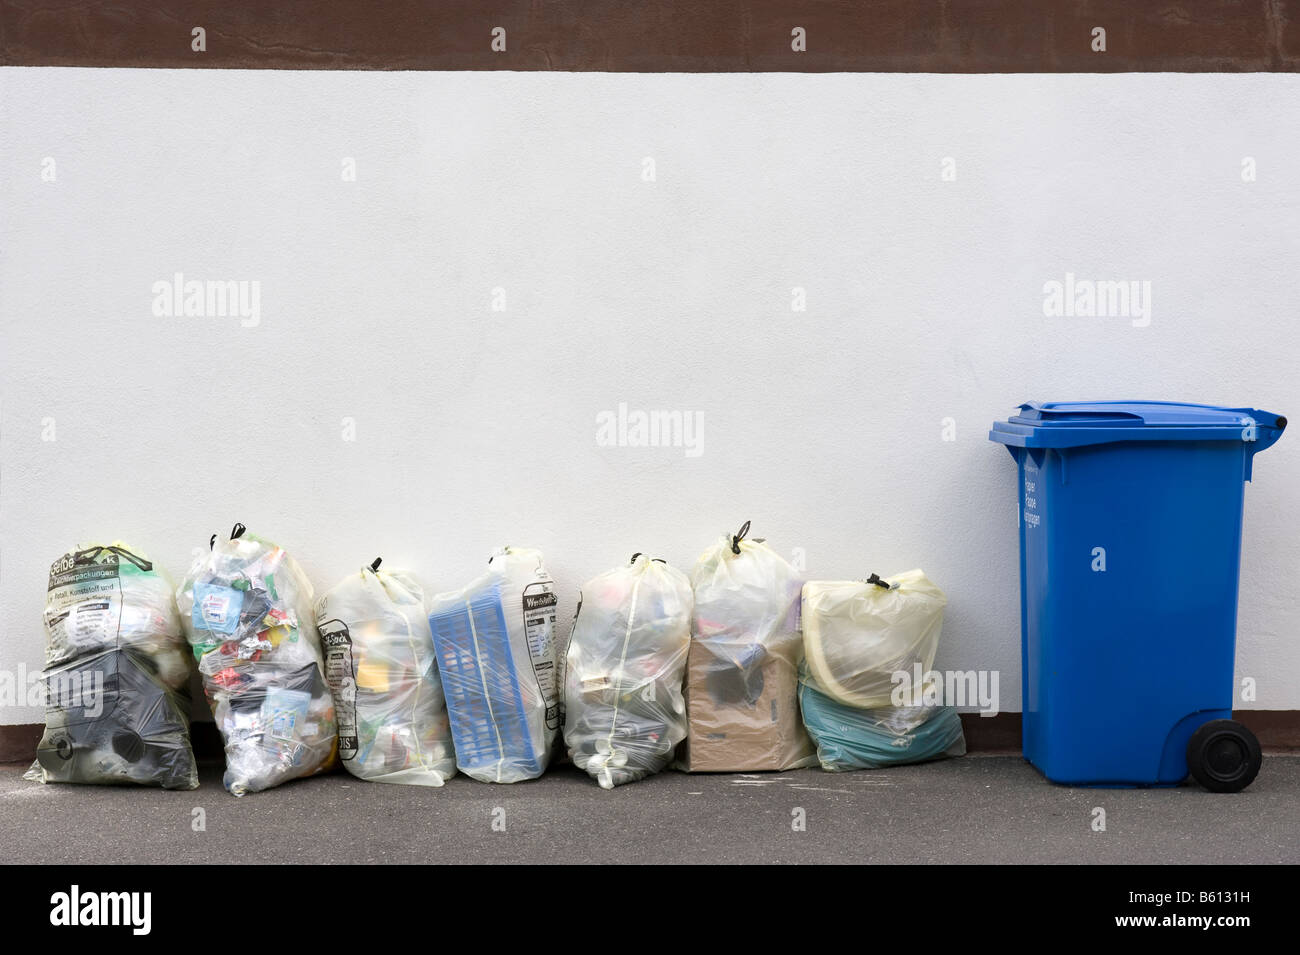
(1072, 424)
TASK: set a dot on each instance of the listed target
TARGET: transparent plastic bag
(850, 737)
(624, 711)
(742, 670)
(858, 634)
(380, 666)
(116, 675)
(247, 610)
(495, 640)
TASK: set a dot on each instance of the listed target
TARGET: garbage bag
(379, 663)
(247, 610)
(623, 705)
(742, 668)
(116, 676)
(495, 640)
(858, 634)
(850, 737)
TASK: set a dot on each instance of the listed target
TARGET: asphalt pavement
(978, 809)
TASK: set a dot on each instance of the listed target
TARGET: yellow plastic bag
(858, 634)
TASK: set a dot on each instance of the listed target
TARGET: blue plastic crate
(488, 721)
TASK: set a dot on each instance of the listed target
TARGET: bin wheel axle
(1224, 756)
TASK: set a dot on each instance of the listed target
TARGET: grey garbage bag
(116, 675)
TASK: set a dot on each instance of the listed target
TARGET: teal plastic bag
(851, 738)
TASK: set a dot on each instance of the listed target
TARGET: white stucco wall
(475, 427)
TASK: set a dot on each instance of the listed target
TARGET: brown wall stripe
(922, 36)
(1278, 732)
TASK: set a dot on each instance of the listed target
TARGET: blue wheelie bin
(1130, 542)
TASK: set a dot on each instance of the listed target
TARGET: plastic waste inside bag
(858, 634)
(247, 610)
(742, 669)
(380, 666)
(850, 737)
(495, 640)
(116, 677)
(624, 711)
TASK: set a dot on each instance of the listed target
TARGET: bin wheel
(1224, 756)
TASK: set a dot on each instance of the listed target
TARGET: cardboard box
(743, 708)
